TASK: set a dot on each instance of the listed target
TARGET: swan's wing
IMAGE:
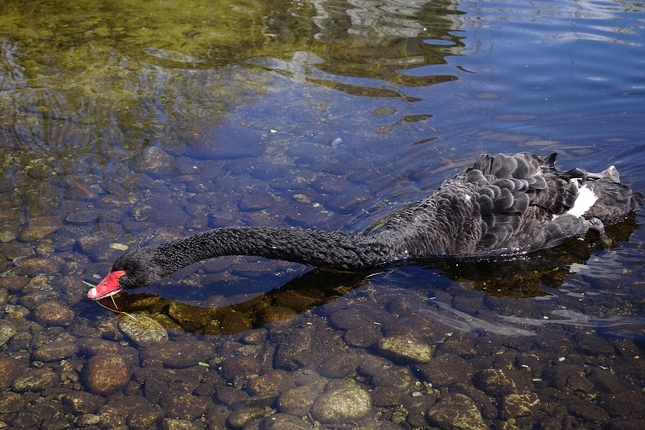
(519, 166)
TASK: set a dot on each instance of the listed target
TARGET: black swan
(502, 206)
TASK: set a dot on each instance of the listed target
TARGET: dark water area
(132, 123)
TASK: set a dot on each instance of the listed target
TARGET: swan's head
(133, 269)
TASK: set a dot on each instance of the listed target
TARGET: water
(135, 123)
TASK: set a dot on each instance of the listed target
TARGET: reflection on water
(138, 122)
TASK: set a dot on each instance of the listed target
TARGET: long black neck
(311, 247)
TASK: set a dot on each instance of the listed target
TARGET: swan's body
(503, 205)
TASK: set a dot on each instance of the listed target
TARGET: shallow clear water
(134, 123)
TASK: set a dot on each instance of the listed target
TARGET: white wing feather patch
(585, 200)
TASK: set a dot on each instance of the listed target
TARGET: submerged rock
(55, 351)
(519, 405)
(10, 403)
(10, 369)
(495, 382)
(297, 401)
(105, 373)
(456, 411)
(7, 331)
(37, 380)
(270, 384)
(39, 228)
(53, 313)
(341, 405)
(81, 402)
(405, 348)
(143, 330)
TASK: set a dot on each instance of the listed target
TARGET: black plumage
(502, 205)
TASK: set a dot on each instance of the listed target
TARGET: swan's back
(507, 205)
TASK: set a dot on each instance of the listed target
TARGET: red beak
(109, 286)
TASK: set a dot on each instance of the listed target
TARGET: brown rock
(240, 367)
(495, 382)
(38, 266)
(105, 373)
(39, 228)
(10, 403)
(446, 370)
(10, 369)
(14, 283)
(285, 422)
(81, 402)
(405, 348)
(144, 417)
(37, 380)
(456, 411)
(184, 406)
(155, 162)
(55, 351)
(294, 351)
(54, 313)
(297, 401)
(270, 384)
(339, 366)
(520, 405)
(342, 405)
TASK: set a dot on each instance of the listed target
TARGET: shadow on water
(518, 277)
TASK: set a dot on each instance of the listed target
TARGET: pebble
(145, 416)
(55, 351)
(406, 349)
(339, 366)
(38, 228)
(113, 415)
(10, 369)
(239, 366)
(37, 266)
(38, 297)
(295, 350)
(270, 384)
(494, 382)
(143, 330)
(83, 217)
(174, 424)
(7, 330)
(297, 401)
(36, 380)
(456, 411)
(9, 231)
(81, 402)
(14, 283)
(156, 162)
(86, 420)
(341, 405)
(285, 422)
(446, 370)
(105, 373)
(519, 405)
(239, 418)
(53, 313)
(10, 403)
(183, 405)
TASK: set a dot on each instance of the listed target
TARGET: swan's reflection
(519, 277)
